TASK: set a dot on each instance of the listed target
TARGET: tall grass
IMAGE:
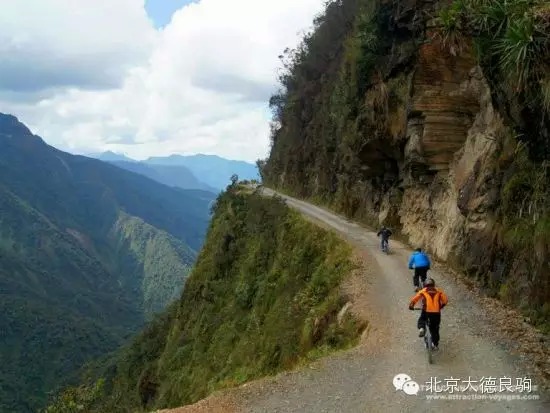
(512, 35)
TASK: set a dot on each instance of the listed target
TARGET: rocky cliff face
(445, 193)
(449, 145)
(425, 145)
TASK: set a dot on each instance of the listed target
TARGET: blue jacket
(419, 260)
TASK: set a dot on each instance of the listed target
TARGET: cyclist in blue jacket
(421, 263)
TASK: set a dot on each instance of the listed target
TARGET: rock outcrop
(413, 134)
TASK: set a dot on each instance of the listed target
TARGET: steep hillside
(210, 169)
(265, 294)
(434, 118)
(172, 175)
(88, 252)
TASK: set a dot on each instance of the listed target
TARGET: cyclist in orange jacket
(433, 301)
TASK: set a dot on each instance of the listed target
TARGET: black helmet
(429, 283)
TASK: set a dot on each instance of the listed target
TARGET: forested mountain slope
(88, 252)
(264, 295)
(433, 118)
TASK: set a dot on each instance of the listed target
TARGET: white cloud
(52, 43)
(203, 86)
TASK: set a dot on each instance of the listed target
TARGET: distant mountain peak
(11, 127)
(10, 122)
(110, 156)
(210, 169)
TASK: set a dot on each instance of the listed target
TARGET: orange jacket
(433, 299)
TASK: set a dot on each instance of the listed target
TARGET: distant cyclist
(421, 263)
(386, 234)
(433, 301)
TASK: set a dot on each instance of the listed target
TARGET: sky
(148, 77)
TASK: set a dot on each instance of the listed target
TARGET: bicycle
(420, 282)
(420, 285)
(385, 246)
(428, 343)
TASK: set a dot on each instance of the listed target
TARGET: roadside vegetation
(263, 297)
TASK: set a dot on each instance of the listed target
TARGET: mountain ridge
(94, 249)
(212, 169)
(171, 175)
(200, 171)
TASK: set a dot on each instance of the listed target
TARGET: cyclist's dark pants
(435, 320)
(420, 272)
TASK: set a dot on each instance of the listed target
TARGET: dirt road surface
(361, 379)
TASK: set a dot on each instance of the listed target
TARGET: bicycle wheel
(429, 344)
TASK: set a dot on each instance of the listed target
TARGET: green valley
(263, 297)
(88, 253)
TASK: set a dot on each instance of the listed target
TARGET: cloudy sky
(150, 77)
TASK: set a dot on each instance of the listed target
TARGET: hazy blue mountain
(172, 175)
(110, 156)
(210, 169)
(88, 252)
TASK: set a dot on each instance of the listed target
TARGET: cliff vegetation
(264, 296)
(433, 118)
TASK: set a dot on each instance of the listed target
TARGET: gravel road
(361, 379)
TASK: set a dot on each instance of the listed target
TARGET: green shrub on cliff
(265, 292)
(525, 215)
(513, 39)
(264, 296)
(77, 399)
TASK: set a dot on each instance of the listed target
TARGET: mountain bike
(385, 246)
(420, 283)
(428, 343)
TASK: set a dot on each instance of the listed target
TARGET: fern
(452, 27)
(518, 51)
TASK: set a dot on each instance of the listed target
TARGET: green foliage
(263, 297)
(513, 37)
(525, 215)
(163, 261)
(452, 26)
(331, 123)
(77, 399)
(526, 194)
(519, 51)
